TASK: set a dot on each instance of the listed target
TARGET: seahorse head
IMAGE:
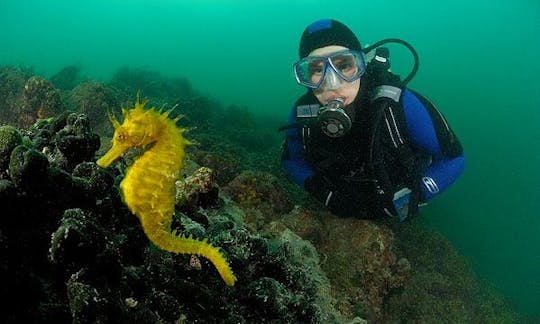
(139, 128)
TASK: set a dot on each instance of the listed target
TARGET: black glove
(319, 186)
(339, 202)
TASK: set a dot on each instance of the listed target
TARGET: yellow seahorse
(148, 189)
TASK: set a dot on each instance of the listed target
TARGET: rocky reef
(72, 252)
(79, 255)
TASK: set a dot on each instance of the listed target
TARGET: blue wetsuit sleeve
(425, 128)
(293, 159)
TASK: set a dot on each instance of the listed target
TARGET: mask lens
(309, 71)
(349, 65)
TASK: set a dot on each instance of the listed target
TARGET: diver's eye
(120, 137)
(316, 68)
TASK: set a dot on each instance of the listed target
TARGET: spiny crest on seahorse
(148, 188)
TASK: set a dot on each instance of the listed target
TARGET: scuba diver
(359, 140)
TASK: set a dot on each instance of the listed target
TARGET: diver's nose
(332, 81)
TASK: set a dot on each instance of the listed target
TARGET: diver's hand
(401, 203)
(337, 201)
(320, 187)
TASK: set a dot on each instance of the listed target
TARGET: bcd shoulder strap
(390, 119)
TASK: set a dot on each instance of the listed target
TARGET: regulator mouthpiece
(333, 120)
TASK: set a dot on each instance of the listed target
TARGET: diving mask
(327, 71)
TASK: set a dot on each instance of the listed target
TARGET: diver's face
(344, 90)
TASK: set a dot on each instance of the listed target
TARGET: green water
(479, 63)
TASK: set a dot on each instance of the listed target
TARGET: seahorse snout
(114, 153)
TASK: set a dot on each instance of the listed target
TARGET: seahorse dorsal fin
(172, 109)
(138, 98)
(177, 118)
(114, 122)
(164, 113)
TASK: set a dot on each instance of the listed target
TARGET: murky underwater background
(479, 63)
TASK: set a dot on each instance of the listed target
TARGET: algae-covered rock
(12, 82)
(261, 190)
(197, 190)
(271, 297)
(85, 302)
(96, 181)
(9, 139)
(442, 287)
(294, 263)
(28, 169)
(7, 191)
(66, 140)
(75, 141)
(359, 259)
(80, 242)
(40, 99)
